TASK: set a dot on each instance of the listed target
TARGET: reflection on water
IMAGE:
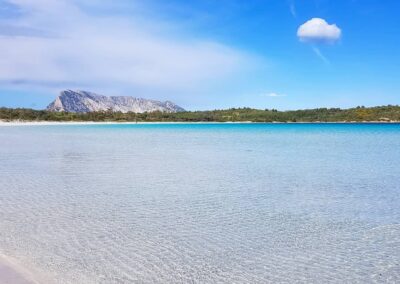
(202, 203)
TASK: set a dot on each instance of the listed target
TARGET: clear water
(214, 203)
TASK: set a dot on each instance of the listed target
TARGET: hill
(83, 102)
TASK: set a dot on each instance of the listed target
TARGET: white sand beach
(44, 123)
(49, 123)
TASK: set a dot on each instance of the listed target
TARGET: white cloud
(59, 43)
(274, 95)
(318, 30)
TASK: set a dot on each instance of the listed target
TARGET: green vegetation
(358, 114)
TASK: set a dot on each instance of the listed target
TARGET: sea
(202, 203)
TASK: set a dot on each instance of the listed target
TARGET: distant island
(82, 106)
(83, 101)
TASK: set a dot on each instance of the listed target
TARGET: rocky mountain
(82, 101)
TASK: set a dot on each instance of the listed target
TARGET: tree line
(358, 114)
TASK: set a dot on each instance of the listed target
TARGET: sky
(203, 54)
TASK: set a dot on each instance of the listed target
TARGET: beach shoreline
(50, 123)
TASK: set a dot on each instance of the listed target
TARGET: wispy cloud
(318, 52)
(273, 95)
(62, 43)
(292, 7)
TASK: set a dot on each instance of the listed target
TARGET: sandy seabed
(12, 273)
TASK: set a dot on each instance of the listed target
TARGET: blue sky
(203, 54)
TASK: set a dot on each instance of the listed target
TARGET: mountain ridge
(83, 101)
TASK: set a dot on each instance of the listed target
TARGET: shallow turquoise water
(202, 203)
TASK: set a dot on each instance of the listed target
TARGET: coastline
(50, 123)
(11, 272)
